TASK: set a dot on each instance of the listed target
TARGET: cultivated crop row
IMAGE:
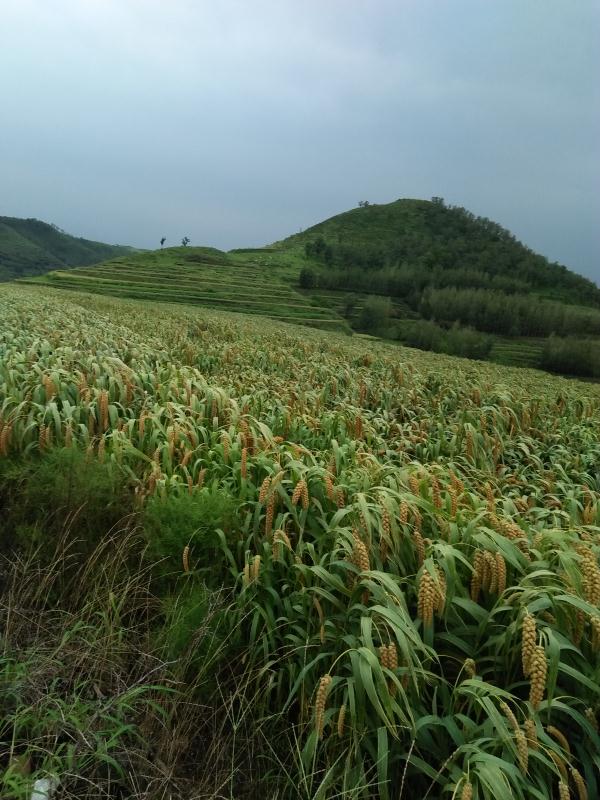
(416, 573)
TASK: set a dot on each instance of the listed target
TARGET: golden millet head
(528, 641)
(467, 791)
(538, 673)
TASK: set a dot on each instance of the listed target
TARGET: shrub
(181, 520)
(375, 314)
(467, 342)
(457, 341)
(423, 335)
(571, 356)
(62, 488)
(308, 278)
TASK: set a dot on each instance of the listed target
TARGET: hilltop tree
(163, 240)
(185, 241)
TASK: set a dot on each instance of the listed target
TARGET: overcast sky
(238, 123)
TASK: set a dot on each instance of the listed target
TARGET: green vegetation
(401, 248)
(430, 275)
(199, 276)
(31, 247)
(321, 567)
(455, 341)
(572, 356)
(442, 264)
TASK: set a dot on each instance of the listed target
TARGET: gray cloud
(239, 123)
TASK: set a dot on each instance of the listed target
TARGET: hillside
(420, 243)
(32, 247)
(201, 276)
(439, 278)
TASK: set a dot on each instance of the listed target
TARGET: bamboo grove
(416, 576)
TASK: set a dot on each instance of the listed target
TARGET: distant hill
(31, 247)
(402, 248)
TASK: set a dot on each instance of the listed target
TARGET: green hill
(438, 277)
(32, 247)
(201, 276)
(409, 245)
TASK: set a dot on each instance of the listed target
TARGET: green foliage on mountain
(403, 248)
(452, 279)
(32, 247)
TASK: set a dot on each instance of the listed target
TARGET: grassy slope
(31, 247)
(200, 276)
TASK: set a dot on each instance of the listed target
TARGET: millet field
(244, 559)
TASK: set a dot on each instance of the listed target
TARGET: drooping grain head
(298, 492)
(470, 667)
(436, 492)
(528, 642)
(270, 515)
(247, 578)
(470, 445)
(320, 704)
(403, 516)
(563, 791)
(329, 487)
(418, 519)
(467, 791)
(419, 543)
(476, 576)
(580, 784)
(560, 737)
(522, 750)
(501, 573)
(491, 501)
(453, 501)
(103, 407)
(264, 489)
(280, 539)
(538, 673)
(360, 555)
(508, 713)
(413, 484)
(226, 444)
(383, 656)
(426, 597)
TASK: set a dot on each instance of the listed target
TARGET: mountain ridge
(32, 247)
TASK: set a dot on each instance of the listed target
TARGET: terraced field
(203, 277)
